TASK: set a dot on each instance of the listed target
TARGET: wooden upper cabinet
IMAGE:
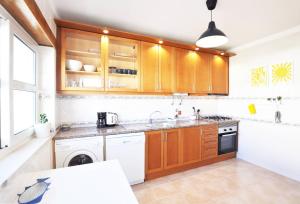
(154, 151)
(127, 66)
(122, 64)
(185, 70)
(172, 149)
(149, 65)
(191, 144)
(166, 69)
(158, 68)
(219, 74)
(203, 73)
(85, 48)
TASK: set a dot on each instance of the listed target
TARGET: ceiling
(243, 21)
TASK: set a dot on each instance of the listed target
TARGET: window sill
(18, 157)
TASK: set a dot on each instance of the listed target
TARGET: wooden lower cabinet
(191, 144)
(174, 150)
(209, 142)
(154, 151)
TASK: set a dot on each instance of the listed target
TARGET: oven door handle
(228, 135)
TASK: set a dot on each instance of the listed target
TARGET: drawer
(209, 153)
(210, 145)
(210, 139)
(210, 136)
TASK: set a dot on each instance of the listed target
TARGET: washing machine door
(79, 158)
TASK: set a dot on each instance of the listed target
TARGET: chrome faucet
(150, 117)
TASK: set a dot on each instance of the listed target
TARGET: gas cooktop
(222, 120)
(217, 118)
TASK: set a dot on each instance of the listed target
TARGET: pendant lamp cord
(210, 15)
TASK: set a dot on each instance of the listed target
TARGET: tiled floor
(229, 182)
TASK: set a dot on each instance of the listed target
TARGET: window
(23, 86)
(23, 62)
(24, 110)
(18, 53)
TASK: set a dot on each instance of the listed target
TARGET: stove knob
(230, 128)
(225, 130)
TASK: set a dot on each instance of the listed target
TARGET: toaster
(107, 119)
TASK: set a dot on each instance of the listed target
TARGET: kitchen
(142, 99)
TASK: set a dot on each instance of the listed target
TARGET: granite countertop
(129, 128)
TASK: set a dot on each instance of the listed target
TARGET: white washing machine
(78, 151)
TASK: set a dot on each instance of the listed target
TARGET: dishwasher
(129, 150)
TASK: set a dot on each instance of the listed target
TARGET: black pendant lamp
(212, 37)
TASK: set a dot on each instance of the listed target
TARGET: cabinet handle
(166, 137)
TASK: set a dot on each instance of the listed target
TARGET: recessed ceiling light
(197, 48)
(160, 42)
(222, 53)
(105, 31)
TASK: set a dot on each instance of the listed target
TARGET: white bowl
(73, 65)
(89, 68)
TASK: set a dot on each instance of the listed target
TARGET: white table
(102, 183)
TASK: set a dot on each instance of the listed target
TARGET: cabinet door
(219, 74)
(85, 49)
(171, 148)
(209, 142)
(191, 144)
(202, 73)
(154, 151)
(166, 69)
(149, 65)
(122, 72)
(185, 70)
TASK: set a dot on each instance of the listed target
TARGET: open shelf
(122, 75)
(123, 58)
(83, 53)
(84, 89)
(82, 72)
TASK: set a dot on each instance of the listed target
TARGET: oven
(227, 139)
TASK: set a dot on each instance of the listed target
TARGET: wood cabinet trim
(27, 11)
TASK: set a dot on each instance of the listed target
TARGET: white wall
(274, 147)
(261, 141)
(129, 108)
(47, 83)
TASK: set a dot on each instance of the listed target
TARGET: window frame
(23, 86)
(11, 139)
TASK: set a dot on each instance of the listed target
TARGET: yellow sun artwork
(259, 77)
(281, 73)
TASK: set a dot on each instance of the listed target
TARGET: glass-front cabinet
(122, 65)
(82, 67)
(94, 62)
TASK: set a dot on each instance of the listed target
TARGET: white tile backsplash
(84, 108)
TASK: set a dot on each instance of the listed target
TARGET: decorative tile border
(133, 97)
(254, 98)
(264, 121)
(108, 96)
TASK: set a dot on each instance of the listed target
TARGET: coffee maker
(101, 122)
(106, 119)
